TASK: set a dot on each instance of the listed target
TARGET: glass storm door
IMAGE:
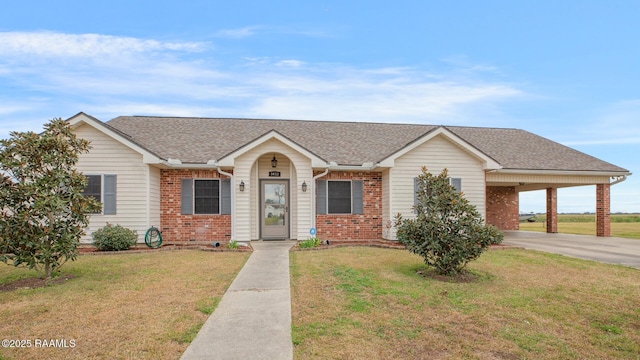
(274, 217)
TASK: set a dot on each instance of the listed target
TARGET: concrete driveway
(610, 250)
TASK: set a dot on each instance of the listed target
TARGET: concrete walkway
(253, 319)
(612, 250)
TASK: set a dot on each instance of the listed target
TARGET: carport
(503, 187)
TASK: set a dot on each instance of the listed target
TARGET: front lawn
(120, 306)
(369, 303)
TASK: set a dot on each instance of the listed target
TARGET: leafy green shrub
(309, 243)
(43, 212)
(447, 231)
(114, 238)
(233, 244)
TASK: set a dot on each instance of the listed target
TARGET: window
(102, 188)
(455, 182)
(339, 197)
(206, 196)
(94, 187)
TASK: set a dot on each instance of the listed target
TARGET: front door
(274, 205)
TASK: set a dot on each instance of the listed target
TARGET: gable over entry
(289, 207)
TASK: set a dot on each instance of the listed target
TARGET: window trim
(350, 181)
(106, 199)
(416, 188)
(101, 200)
(451, 179)
(100, 176)
(193, 195)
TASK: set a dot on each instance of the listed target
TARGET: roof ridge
(271, 119)
(316, 121)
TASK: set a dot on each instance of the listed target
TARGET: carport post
(552, 210)
(603, 210)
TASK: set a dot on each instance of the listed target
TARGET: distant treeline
(585, 218)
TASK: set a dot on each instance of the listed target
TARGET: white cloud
(52, 44)
(239, 33)
(174, 79)
(290, 63)
(614, 124)
(10, 109)
(391, 95)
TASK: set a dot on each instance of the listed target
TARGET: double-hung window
(205, 196)
(339, 197)
(103, 189)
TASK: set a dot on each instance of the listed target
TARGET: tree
(43, 212)
(447, 231)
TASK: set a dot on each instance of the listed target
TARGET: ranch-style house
(211, 179)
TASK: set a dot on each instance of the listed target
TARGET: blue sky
(566, 70)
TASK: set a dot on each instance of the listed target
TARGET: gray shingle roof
(198, 140)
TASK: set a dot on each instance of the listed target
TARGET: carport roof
(198, 140)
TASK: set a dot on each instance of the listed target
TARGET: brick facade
(603, 204)
(177, 228)
(367, 226)
(552, 210)
(503, 207)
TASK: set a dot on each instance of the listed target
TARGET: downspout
(233, 202)
(313, 196)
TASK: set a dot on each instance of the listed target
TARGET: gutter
(233, 202)
(368, 166)
(618, 179)
(313, 196)
(559, 172)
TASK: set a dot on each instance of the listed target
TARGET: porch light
(274, 161)
(304, 186)
(241, 185)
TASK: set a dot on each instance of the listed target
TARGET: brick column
(552, 210)
(603, 210)
(502, 207)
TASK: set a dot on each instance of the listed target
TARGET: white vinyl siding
(436, 154)
(108, 156)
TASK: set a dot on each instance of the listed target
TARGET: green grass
(622, 225)
(373, 303)
(139, 306)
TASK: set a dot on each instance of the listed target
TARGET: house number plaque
(274, 173)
